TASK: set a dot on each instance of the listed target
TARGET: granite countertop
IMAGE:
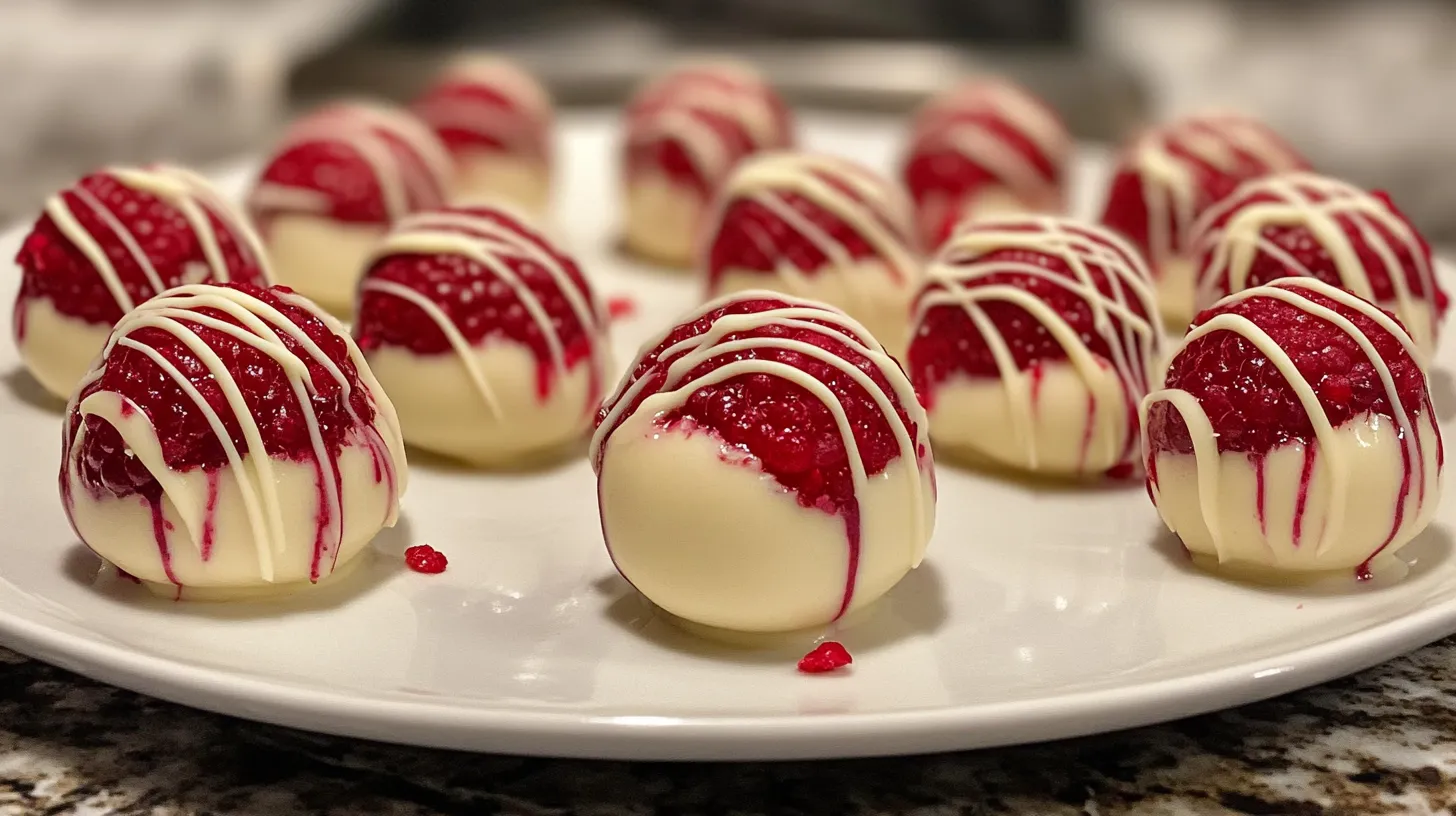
(1381, 742)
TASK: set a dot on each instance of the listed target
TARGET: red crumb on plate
(826, 657)
(426, 559)
(621, 307)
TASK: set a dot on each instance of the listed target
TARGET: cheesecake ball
(817, 227)
(487, 335)
(110, 241)
(984, 148)
(1294, 435)
(335, 185)
(764, 467)
(1169, 176)
(685, 132)
(1034, 340)
(1302, 224)
(495, 119)
(230, 440)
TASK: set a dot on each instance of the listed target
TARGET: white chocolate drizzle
(1169, 180)
(956, 121)
(877, 211)
(674, 364)
(1134, 339)
(262, 327)
(672, 107)
(493, 246)
(1325, 207)
(1205, 440)
(374, 133)
(190, 195)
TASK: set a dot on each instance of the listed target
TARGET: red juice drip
(68, 501)
(1087, 432)
(1037, 372)
(17, 319)
(1259, 489)
(385, 464)
(209, 516)
(375, 463)
(1300, 500)
(1363, 571)
(160, 526)
(324, 519)
(852, 536)
(338, 544)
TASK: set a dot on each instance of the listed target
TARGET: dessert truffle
(984, 148)
(763, 467)
(109, 242)
(818, 227)
(686, 131)
(1169, 175)
(337, 182)
(487, 335)
(495, 119)
(1297, 224)
(1034, 340)
(230, 439)
(1294, 434)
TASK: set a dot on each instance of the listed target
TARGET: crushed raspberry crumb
(826, 657)
(621, 307)
(426, 559)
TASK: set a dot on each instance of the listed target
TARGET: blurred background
(1362, 86)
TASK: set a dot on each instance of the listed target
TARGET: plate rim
(500, 729)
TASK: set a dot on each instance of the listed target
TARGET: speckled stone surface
(1381, 742)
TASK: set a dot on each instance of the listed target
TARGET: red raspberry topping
(826, 657)
(474, 296)
(752, 236)
(346, 156)
(787, 430)
(682, 94)
(1294, 249)
(187, 439)
(1217, 154)
(426, 559)
(947, 341)
(1252, 406)
(112, 212)
(468, 113)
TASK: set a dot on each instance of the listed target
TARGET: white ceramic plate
(1040, 612)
